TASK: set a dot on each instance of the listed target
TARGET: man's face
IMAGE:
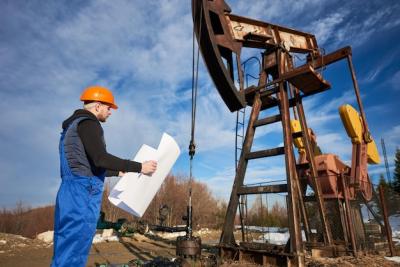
(104, 111)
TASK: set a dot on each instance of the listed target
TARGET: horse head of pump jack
(221, 37)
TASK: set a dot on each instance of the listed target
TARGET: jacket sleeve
(91, 135)
(110, 173)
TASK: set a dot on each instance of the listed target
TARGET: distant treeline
(26, 221)
(167, 207)
(170, 204)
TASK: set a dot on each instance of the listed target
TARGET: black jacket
(91, 135)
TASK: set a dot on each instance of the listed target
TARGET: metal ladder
(239, 137)
(239, 140)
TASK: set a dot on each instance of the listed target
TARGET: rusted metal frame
(240, 73)
(291, 89)
(245, 230)
(350, 226)
(241, 218)
(356, 165)
(309, 154)
(268, 120)
(275, 188)
(359, 223)
(285, 76)
(265, 248)
(303, 210)
(253, 89)
(304, 215)
(227, 237)
(210, 44)
(312, 42)
(343, 219)
(246, 214)
(275, 32)
(274, 256)
(265, 153)
(292, 200)
(322, 61)
(366, 133)
(342, 213)
(388, 229)
(227, 55)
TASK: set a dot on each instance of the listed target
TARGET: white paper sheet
(134, 192)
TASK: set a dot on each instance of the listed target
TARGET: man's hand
(149, 167)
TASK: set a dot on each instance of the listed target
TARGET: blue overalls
(76, 213)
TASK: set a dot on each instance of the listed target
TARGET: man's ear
(97, 107)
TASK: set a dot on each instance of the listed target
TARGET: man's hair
(89, 105)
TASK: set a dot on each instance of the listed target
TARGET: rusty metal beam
(316, 186)
(304, 77)
(270, 35)
(366, 133)
(289, 67)
(324, 60)
(293, 204)
(215, 43)
(268, 120)
(222, 35)
(265, 153)
(388, 229)
(276, 188)
(350, 226)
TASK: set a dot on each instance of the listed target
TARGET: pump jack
(221, 36)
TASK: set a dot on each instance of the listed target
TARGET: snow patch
(395, 259)
(108, 232)
(171, 235)
(203, 231)
(276, 238)
(394, 222)
(46, 237)
(98, 238)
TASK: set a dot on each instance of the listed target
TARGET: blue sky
(51, 50)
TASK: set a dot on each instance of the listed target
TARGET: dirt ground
(19, 251)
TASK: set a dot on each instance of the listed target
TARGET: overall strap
(64, 166)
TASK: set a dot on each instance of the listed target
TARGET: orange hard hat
(99, 93)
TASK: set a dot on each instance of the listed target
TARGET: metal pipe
(348, 215)
(189, 230)
(367, 135)
(386, 221)
(293, 204)
(241, 217)
(314, 175)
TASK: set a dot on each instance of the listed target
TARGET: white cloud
(336, 143)
(392, 137)
(47, 62)
(325, 28)
(142, 50)
(275, 11)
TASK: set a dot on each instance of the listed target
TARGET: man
(84, 163)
